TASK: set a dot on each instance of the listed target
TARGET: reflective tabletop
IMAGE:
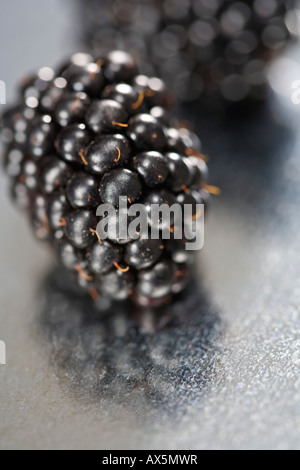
(217, 369)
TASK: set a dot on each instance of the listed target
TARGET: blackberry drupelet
(88, 137)
(199, 47)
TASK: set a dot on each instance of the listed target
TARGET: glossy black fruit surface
(87, 78)
(68, 255)
(71, 143)
(71, 108)
(83, 191)
(107, 152)
(16, 123)
(54, 174)
(120, 183)
(143, 253)
(126, 95)
(153, 167)
(57, 210)
(159, 198)
(41, 137)
(105, 116)
(102, 257)
(13, 160)
(120, 67)
(179, 173)
(49, 98)
(39, 217)
(81, 138)
(158, 281)
(146, 132)
(78, 228)
(118, 284)
(30, 175)
(117, 226)
(218, 49)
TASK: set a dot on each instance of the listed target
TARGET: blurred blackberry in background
(199, 47)
(121, 24)
(84, 135)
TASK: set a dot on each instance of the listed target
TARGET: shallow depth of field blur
(220, 368)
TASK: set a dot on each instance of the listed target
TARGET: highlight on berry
(183, 222)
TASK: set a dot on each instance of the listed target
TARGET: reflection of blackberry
(196, 45)
(158, 361)
(84, 136)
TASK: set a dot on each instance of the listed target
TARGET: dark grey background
(220, 368)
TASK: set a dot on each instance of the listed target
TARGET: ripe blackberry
(90, 142)
(143, 254)
(159, 197)
(70, 142)
(146, 132)
(58, 208)
(196, 46)
(101, 258)
(152, 167)
(104, 116)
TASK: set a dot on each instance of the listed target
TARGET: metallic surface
(219, 369)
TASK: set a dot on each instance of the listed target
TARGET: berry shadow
(151, 361)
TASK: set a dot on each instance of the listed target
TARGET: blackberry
(38, 216)
(87, 78)
(126, 95)
(33, 87)
(118, 284)
(152, 167)
(78, 226)
(70, 142)
(115, 223)
(107, 152)
(92, 138)
(52, 94)
(54, 173)
(118, 183)
(120, 67)
(83, 191)
(15, 124)
(80, 59)
(30, 174)
(70, 257)
(101, 258)
(198, 47)
(13, 159)
(159, 197)
(146, 132)
(143, 253)
(20, 194)
(41, 136)
(104, 116)
(71, 109)
(57, 210)
(158, 281)
(179, 172)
